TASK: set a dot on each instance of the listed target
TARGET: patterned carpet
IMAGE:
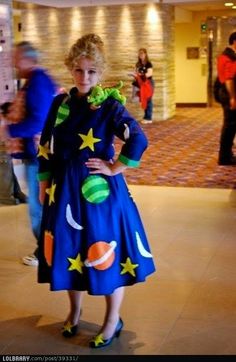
(183, 152)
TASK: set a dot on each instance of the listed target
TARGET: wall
(124, 29)
(7, 88)
(191, 75)
(17, 22)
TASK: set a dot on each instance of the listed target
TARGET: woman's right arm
(45, 154)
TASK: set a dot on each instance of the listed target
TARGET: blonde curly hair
(89, 46)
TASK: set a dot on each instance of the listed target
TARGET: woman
(144, 81)
(92, 236)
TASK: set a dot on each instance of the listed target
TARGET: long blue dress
(92, 237)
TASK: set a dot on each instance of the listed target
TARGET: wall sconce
(210, 35)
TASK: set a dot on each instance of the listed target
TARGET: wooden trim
(191, 105)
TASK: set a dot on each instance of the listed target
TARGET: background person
(27, 115)
(144, 82)
(10, 187)
(226, 67)
(92, 236)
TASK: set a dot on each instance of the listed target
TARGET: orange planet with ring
(101, 255)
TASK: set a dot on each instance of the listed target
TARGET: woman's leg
(148, 110)
(113, 304)
(75, 298)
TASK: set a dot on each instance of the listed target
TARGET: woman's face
(85, 75)
(142, 55)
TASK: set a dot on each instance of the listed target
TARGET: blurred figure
(226, 67)
(144, 83)
(27, 114)
(9, 183)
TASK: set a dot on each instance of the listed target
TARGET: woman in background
(144, 81)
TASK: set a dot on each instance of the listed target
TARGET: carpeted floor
(183, 152)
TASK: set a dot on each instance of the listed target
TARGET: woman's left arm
(135, 143)
(149, 72)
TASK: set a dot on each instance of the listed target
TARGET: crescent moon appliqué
(141, 249)
(71, 220)
(51, 146)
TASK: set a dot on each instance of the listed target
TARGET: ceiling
(197, 5)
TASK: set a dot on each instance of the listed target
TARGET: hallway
(186, 308)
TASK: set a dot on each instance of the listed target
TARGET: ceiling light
(229, 4)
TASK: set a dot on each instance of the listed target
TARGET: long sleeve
(45, 155)
(39, 96)
(128, 130)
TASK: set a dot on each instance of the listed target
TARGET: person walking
(27, 115)
(226, 68)
(92, 236)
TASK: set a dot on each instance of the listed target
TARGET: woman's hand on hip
(109, 168)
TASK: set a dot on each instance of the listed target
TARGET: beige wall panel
(124, 29)
(7, 84)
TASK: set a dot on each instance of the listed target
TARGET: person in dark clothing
(15, 194)
(144, 82)
(226, 67)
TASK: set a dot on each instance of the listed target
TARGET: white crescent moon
(103, 258)
(141, 249)
(126, 132)
(71, 220)
(52, 145)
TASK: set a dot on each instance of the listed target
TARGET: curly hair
(89, 46)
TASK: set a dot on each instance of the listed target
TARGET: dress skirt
(78, 250)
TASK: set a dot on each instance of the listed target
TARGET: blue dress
(92, 237)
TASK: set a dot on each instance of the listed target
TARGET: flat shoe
(98, 341)
(69, 330)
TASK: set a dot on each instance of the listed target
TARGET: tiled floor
(187, 307)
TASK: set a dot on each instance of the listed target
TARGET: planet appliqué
(101, 255)
(95, 189)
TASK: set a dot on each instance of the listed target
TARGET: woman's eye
(92, 71)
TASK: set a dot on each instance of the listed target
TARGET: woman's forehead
(84, 62)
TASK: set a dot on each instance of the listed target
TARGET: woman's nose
(84, 75)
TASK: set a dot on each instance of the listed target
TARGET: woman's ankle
(74, 317)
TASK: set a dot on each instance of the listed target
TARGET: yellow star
(44, 151)
(88, 140)
(128, 267)
(50, 191)
(98, 339)
(76, 264)
(67, 327)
